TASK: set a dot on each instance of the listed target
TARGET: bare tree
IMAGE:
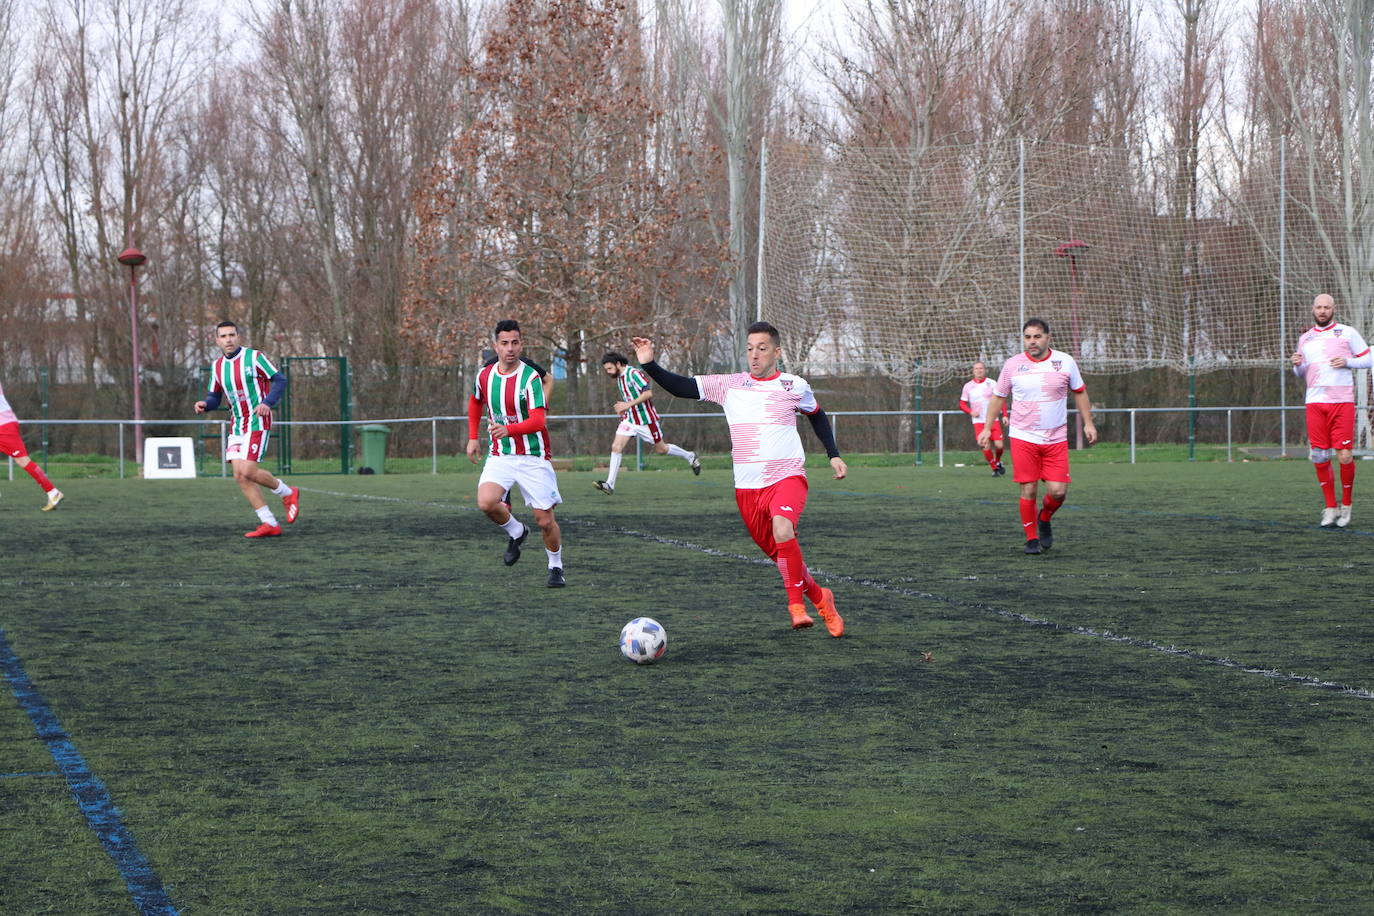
(739, 96)
(297, 39)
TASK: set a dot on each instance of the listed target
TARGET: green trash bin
(374, 448)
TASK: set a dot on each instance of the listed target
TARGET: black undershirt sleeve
(680, 386)
(820, 423)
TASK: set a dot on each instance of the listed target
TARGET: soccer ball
(643, 640)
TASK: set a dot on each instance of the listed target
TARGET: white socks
(282, 489)
(615, 469)
(513, 526)
(266, 517)
(678, 451)
(555, 558)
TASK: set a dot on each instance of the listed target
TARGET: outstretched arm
(680, 386)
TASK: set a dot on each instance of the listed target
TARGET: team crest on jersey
(1057, 364)
(1337, 332)
(787, 384)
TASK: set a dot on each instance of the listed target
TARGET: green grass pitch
(371, 714)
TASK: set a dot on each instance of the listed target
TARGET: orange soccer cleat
(800, 619)
(264, 531)
(292, 502)
(834, 623)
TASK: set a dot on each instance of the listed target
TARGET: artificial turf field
(1171, 711)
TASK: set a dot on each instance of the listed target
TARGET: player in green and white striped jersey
(251, 385)
(638, 419)
(510, 394)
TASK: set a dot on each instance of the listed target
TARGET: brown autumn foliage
(547, 207)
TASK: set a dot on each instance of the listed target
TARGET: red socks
(1051, 506)
(37, 474)
(989, 458)
(1028, 519)
(1347, 482)
(1328, 482)
(796, 578)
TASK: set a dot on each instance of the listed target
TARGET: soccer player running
(544, 377)
(761, 408)
(252, 386)
(1038, 382)
(638, 418)
(13, 446)
(1326, 353)
(511, 394)
(974, 402)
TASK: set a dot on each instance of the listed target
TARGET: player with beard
(1325, 355)
(1039, 381)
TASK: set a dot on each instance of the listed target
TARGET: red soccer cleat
(292, 502)
(800, 618)
(264, 531)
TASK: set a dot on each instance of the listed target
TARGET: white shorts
(651, 433)
(535, 476)
(246, 446)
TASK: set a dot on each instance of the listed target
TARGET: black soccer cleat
(513, 547)
(1033, 546)
(604, 487)
(696, 464)
(1046, 534)
(999, 470)
(556, 579)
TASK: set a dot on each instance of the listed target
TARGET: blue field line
(24, 775)
(90, 793)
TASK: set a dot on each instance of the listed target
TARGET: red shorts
(10, 443)
(1031, 461)
(787, 498)
(1331, 425)
(996, 431)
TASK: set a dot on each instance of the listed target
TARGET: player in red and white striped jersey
(974, 402)
(638, 419)
(1038, 382)
(1325, 355)
(761, 407)
(511, 395)
(13, 446)
(252, 386)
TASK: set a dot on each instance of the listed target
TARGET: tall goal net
(898, 261)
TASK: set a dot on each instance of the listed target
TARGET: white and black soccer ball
(643, 640)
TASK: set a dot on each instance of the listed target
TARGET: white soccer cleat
(54, 497)
(1329, 517)
(1344, 518)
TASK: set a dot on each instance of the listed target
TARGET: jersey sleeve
(1359, 352)
(263, 365)
(638, 382)
(713, 388)
(1003, 387)
(1076, 382)
(808, 403)
(535, 387)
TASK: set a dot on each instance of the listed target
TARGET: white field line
(1301, 680)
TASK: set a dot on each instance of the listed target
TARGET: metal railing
(836, 417)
